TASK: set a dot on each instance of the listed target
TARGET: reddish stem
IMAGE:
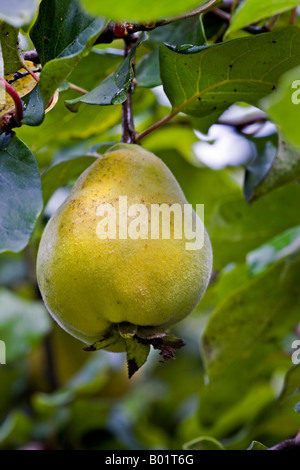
(293, 16)
(17, 100)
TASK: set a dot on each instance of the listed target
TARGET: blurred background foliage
(234, 381)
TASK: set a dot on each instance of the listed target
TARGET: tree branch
(128, 131)
(249, 29)
(155, 126)
(112, 32)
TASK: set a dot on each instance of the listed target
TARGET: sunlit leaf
(252, 11)
(245, 69)
(135, 10)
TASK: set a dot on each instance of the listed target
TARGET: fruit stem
(116, 30)
(17, 100)
(128, 131)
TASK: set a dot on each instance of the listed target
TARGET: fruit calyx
(137, 341)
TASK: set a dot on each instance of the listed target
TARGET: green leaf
(34, 109)
(236, 228)
(252, 11)
(89, 380)
(283, 106)
(15, 430)
(291, 384)
(255, 445)
(111, 338)
(277, 248)
(271, 173)
(61, 52)
(99, 63)
(245, 70)
(23, 324)
(60, 174)
(260, 167)
(147, 70)
(51, 137)
(20, 193)
(190, 31)
(113, 89)
(137, 353)
(135, 10)
(18, 13)
(9, 49)
(249, 318)
(203, 443)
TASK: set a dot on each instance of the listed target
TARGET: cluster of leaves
(247, 320)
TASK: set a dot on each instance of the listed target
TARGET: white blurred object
(222, 147)
(268, 128)
(238, 113)
(56, 200)
(161, 96)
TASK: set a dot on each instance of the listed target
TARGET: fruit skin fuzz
(92, 285)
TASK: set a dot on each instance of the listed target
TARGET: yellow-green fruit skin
(88, 283)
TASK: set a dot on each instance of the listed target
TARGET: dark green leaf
(34, 110)
(147, 71)
(259, 168)
(9, 48)
(62, 35)
(113, 89)
(20, 193)
(245, 69)
(137, 354)
(189, 31)
(267, 173)
(111, 338)
(18, 12)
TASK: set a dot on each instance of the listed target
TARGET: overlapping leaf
(113, 89)
(62, 34)
(135, 10)
(252, 11)
(250, 317)
(283, 106)
(201, 81)
(9, 48)
(20, 193)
